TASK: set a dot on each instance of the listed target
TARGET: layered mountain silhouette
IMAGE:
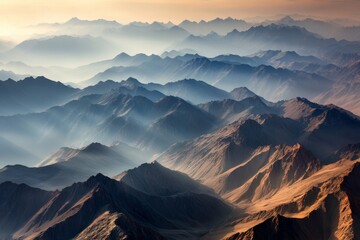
(218, 25)
(275, 58)
(32, 95)
(321, 76)
(271, 83)
(189, 89)
(221, 129)
(59, 49)
(5, 75)
(273, 36)
(106, 118)
(325, 29)
(68, 166)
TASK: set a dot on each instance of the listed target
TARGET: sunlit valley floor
(225, 129)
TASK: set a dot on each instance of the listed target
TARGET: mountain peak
(121, 56)
(241, 93)
(287, 19)
(40, 78)
(131, 83)
(234, 32)
(155, 179)
(132, 80)
(95, 147)
(98, 179)
(74, 20)
(155, 163)
(170, 100)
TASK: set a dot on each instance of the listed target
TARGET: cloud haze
(33, 11)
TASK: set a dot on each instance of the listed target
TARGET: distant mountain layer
(62, 50)
(78, 42)
(271, 83)
(32, 95)
(323, 81)
(5, 75)
(275, 58)
(325, 29)
(273, 36)
(218, 25)
(305, 76)
(68, 166)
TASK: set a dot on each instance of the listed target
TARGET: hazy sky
(27, 12)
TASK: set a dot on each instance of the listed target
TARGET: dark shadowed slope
(230, 110)
(118, 210)
(153, 178)
(18, 204)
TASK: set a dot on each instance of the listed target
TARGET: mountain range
(126, 211)
(138, 114)
(73, 50)
(280, 74)
(325, 29)
(271, 83)
(288, 195)
(218, 25)
(221, 129)
(112, 116)
(67, 166)
(32, 95)
(273, 36)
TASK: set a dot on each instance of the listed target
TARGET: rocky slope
(105, 208)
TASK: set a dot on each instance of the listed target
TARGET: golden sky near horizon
(27, 12)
